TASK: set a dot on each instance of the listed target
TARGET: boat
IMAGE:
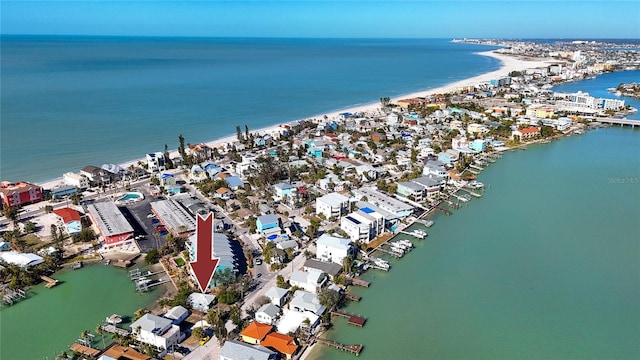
(114, 319)
(474, 184)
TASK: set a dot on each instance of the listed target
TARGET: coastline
(508, 64)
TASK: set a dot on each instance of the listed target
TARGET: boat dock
(360, 282)
(427, 223)
(445, 211)
(13, 296)
(50, 282)
(136, 274)
(352, 297)
(355, 349)
(391, 252)
(114, 330)
(84, 350)
(472, 193)
(353, 319)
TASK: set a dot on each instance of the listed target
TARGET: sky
(326, 19)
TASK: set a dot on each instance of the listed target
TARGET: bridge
(616, 121)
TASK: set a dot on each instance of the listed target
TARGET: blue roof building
(267, 224)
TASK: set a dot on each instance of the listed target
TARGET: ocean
(546, 265)
(68, 102)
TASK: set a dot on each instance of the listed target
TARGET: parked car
(151, 215)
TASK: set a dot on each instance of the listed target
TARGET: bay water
(49, 320)
(546, 265)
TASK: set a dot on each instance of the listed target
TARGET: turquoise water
(544, 266)
(68, 102)
(130, 196)
(52, 319)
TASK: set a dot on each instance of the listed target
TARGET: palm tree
(100, 332)
(11, 213)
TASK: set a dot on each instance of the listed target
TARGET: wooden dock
(352, 297)
(84, 350)
(50, 282)
(114, 330)
(355, 349)
(353, 319)
(445, 211)
(360, 282)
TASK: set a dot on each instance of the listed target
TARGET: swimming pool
(130, 197)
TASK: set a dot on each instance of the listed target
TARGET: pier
(352, 297)
(50, 282)
(84, 350)
(472, 193)
(114, 330)
(445, 211)
(391, 252)
(353, 319)
(360, 282)
(13, 296)
(355, 349)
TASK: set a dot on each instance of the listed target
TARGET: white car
(151, 215)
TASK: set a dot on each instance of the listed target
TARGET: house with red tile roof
(285, 345)
(70, 218)
(526, 133)
(255, 332)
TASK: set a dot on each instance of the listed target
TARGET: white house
(156, 331)
(77, 180)
(268, 314)
(155, 162)
(201, 302)
(363, 225)
(334, 249)
(278, 296)
(177, 314)
(311, 281)
(238, 350)
(332, 205)
(303, 301)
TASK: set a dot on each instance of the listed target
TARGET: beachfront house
(77, 180)
(236, 350)
(20, 193)
(156, 331)
(155, 162)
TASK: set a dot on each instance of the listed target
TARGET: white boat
(474, 184)
(114, 319)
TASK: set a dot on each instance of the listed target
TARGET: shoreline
(507, 64)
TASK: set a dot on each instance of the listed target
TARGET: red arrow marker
(205, 265)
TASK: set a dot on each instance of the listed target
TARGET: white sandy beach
(509, 64)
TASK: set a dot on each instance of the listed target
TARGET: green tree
(181, 151)
(282, 283)
(198, 333)
(12, 213)
(329, 298)
(152, 257)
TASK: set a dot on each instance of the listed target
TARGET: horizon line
(311, 37)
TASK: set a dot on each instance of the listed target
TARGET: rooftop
(256, 330)
(174, 215)
(109, 218)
